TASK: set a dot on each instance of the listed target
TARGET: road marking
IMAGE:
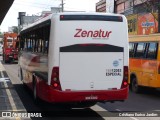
(118, 110)
(1, 67)
(134, 118)
(4, 79)
(14, 108)
(10, 98)
(98, 109)
(12, 103)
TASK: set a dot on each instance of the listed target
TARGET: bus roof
(141, 38)
(67, 13)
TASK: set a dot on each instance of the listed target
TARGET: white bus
(76, 58)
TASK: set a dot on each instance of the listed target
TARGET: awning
(4, 7)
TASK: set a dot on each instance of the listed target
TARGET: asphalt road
(147, 101)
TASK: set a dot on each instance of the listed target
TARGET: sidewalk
(9, 99)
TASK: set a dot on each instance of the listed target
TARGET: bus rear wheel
(134, 85)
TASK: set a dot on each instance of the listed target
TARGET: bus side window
(29, 45)
(46, 37)
(152, 50)
(21, 42)
(46, 47)
(25, 44)
(131, 49)
(140, 50)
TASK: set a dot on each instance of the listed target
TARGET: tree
(15, 29)
(151, 6)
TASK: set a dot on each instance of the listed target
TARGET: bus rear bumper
(55, 96)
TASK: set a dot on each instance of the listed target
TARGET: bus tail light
(55, 78)
(125, 77)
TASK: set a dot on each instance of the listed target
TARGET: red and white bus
(76, 58)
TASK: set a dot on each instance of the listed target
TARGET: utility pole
(115, 6)
(62, 5)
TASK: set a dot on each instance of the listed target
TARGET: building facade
(24, 20)
(142, 15)
(105, 6)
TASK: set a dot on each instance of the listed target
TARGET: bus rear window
(9, 40)
(91, 17)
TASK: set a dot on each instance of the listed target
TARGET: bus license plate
(91, 97)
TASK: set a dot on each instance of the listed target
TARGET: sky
(35, 7)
